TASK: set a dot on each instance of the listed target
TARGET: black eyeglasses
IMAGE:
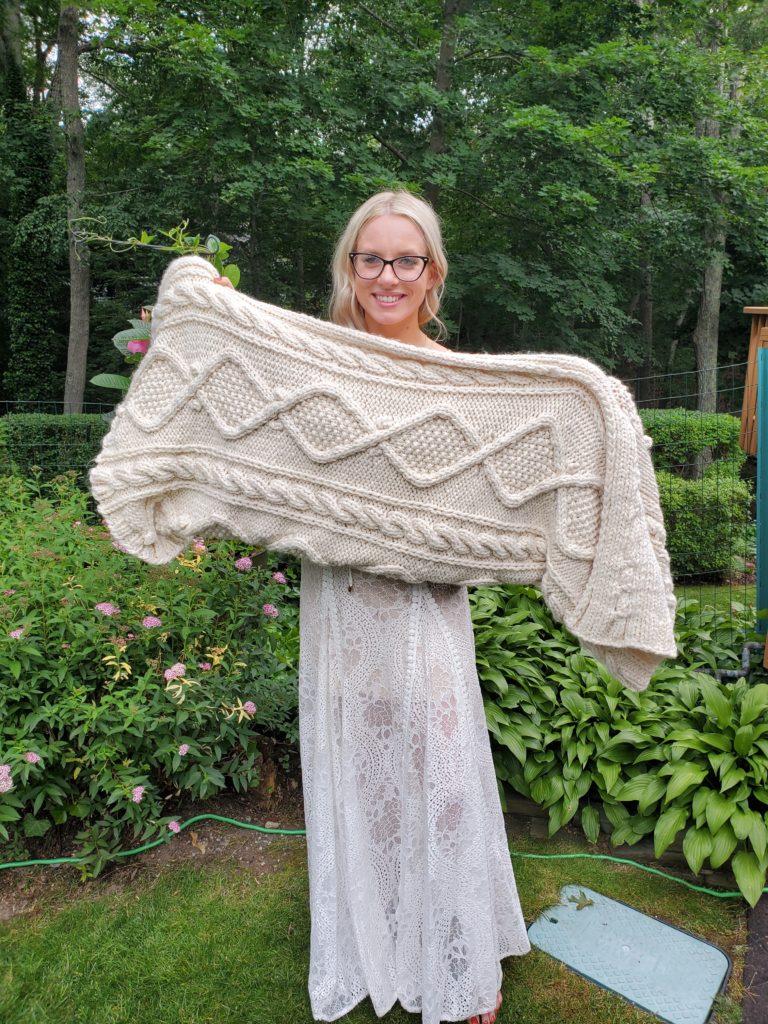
(406, 268)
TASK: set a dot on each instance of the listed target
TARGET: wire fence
(706, 482)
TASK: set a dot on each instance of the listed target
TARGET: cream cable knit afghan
(249, 421)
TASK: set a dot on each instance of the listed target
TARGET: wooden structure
(756, 393)
(758, 339)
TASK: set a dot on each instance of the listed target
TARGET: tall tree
(79, 273)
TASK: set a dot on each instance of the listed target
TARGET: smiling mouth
(388, 300)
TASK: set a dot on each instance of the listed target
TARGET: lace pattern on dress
(412, 893)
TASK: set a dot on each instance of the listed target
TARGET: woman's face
(391, 307)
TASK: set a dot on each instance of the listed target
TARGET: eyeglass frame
(425, 260)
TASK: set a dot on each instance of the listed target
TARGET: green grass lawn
(217, 944)
(720, 597)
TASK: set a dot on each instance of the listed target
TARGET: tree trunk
(705, 335)
(646, 389)
(79, 270)
(452, 10)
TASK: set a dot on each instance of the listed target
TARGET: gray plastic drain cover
(659, 968)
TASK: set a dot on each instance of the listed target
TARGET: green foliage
(37, 304)
(707, 515)
(680, 436)
(87, 711)
(50, 444)
(688, 755)
(707, 520)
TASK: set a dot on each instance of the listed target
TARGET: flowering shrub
(125, 684)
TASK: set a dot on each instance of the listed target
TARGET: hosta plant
(688, 756)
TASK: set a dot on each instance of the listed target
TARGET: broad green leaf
(750, 877)
(718, 740)
(541, 791)
(647, 789)
(591, 822)
(669, 824)
(742, 742)
(697, 846)
(754, 703)
(555, 818)
(732, 778)
(511, 739)
(758, 836)
(723, 844)
(741, 821)
(624, 833)
(140, 333)
(495, 677)
(719, 810)
(684, 776)
(716, 702)
(610, 772)
(233, 273)
(111, 380)
(689, 739)
(652, 795)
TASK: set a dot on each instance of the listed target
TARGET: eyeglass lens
(407, 268)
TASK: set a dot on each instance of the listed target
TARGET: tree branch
(392, 149)
(392, 28)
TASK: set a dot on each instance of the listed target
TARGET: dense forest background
(601, 168)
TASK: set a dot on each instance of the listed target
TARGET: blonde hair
(343, 307)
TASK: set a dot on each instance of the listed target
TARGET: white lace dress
(412, 893)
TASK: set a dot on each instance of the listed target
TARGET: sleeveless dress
(412, 893)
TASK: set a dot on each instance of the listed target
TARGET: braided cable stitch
(250, 421)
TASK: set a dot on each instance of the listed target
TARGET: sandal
(486, 1018)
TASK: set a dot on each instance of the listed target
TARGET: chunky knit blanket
(249, 421)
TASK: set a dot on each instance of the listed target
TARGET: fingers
(223, 280)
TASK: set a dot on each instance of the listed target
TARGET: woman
(412, 894)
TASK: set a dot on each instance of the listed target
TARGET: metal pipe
(735, 673)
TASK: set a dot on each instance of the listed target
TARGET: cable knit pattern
(250, 421)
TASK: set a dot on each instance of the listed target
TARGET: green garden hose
(302, 832)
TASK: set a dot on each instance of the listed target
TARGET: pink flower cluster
(8, 593)
(138, 345)
(250, 707)
(6, 782)
(151, 622)
(278, 577)
(174, 826)
(270, 610)
(183, 749)
(244, 564)
(107, 608)
(198, 544)
(137, 793)
(204, 666)
(175, 671)
(17, 633)
(31, 757)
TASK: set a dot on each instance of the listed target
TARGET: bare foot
(486, 1018)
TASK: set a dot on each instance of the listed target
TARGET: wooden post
(761, 597)
(754, 422)
(758, 338)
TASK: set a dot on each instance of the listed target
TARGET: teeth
(388, 298)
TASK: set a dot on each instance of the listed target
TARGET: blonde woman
(412, 893)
